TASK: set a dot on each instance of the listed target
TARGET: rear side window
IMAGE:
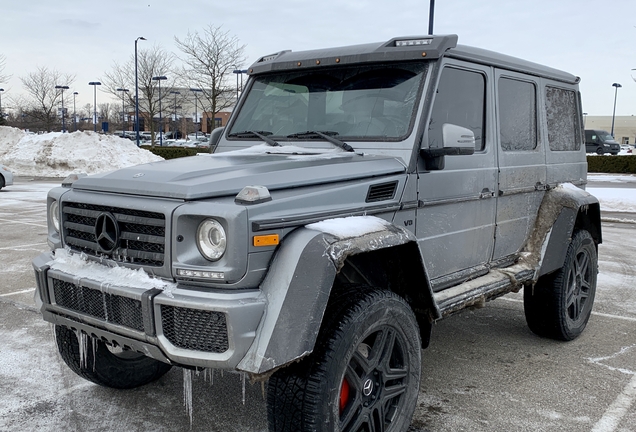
(517, 115)
(460, 100)
(564, 130)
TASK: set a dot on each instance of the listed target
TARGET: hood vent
(381, 192)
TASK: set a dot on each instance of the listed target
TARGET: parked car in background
(600, 142)
(6, 177)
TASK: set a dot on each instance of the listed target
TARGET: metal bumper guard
(184, 327)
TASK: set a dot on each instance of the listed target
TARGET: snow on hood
(57, 155)
(82, 268)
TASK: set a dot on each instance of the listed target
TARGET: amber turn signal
(266, 240)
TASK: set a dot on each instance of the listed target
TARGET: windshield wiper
(327, 135)
(259, 134)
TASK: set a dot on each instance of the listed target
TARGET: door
(521, 159)
(456, 210)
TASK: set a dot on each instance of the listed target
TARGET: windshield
(605, 137)
(364, 103)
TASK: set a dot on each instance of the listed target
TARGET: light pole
(159, 79)
(94, 84)
(238, 72)
(123, 95)
(431, 14)
(62, 88)
(1, 90)
(584, 117)
(137, 92)
(616, 87)
(74, 115)
(196, 114)
(174, 128)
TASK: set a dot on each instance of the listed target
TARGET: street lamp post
(616, 87)
(431, 14)
(123, 95)
(174, 130)
(238, 72)
(584, 117)
(159, 79)
(74, 115)
(62, 88)
(137, 92)
(196, 114)
(1, 90)
(94, 84)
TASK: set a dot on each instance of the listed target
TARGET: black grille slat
(381, 192)
(111, 308)
(195, 329)
(142, 233)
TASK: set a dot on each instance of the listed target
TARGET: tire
(1, 181)
(125, 370)
(363, 375)
(600, 150)
(560, 304)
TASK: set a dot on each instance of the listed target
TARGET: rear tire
(1, 181)
(125, 370)
(363, 375)
(560, 304)
(600, 150)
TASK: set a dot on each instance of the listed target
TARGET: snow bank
(353, 226)
(57, 155)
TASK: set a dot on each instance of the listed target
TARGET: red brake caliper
(344, 394)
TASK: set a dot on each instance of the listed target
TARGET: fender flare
(563, 209)
(297, 288)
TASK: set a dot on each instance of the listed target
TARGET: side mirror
(456, 140)
(215, 136)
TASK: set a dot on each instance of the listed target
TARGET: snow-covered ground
(57, 155)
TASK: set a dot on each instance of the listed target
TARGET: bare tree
(210, 59)
(43, 97)
(153, 62)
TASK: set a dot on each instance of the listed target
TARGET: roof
(401, 49)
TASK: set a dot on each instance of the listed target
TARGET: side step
(482, 289)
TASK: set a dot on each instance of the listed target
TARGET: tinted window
(564, 130)
(517, 115)
(460, 100)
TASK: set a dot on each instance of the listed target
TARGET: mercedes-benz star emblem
(367, 388)
(107, 232)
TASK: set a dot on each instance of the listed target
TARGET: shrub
(172, 152)
(611, 164)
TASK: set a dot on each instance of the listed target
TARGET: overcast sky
(595, 40)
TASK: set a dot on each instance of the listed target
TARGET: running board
(477, 291)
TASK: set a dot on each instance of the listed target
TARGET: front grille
(111, 308)
(195, 329)
(141, 233)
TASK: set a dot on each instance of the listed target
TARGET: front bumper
(187, 327)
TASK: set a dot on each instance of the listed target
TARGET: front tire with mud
(99, 364)
(363, 375)
(560, 304)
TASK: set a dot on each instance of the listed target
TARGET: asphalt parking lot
(484, 370)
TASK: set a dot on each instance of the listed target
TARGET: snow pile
(57, 155)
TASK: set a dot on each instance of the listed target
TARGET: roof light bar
(413, 42)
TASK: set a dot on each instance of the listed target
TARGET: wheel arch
(563, 210)
(300, 279)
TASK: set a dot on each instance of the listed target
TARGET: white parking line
(17, 292)
(617, 410)
(618, 317)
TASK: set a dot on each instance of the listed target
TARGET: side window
(564, 130)
(517, 115)
(460, 100)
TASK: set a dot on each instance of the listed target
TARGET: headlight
(54, 215)
(211, 239)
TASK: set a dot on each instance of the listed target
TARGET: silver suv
(357, 195)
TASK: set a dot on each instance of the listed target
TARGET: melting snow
(81, 268)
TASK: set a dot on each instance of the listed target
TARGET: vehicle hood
(224, 174)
